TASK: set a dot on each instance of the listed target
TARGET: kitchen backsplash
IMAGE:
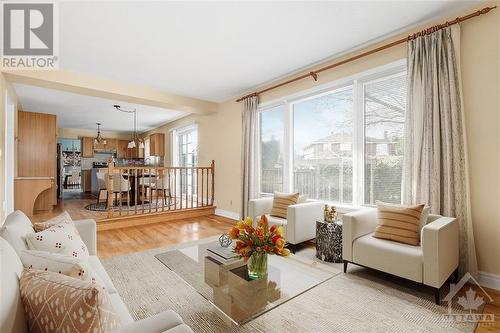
(98, 157)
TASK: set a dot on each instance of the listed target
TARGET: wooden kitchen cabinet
(135, 152)
(37, 153)
(157, 144)
(121, 148)
(87, 147)
(111, 144)
(86, 180)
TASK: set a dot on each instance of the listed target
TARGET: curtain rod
(314, 74)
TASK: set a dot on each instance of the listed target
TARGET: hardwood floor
(140, 238)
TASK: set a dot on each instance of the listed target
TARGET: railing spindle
(207, 184)
(213, 183)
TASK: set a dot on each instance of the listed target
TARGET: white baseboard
(228, 214)
(489, 280)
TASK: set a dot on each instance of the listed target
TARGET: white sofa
(431, 263)
(12, 317)
(300, 224)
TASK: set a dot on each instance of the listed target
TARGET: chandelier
(136, 141)
(98, 139)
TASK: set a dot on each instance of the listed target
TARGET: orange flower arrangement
(263, 239)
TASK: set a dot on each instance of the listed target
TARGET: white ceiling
(218, 50)
(79, 111)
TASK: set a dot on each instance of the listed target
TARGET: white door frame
(10, 115)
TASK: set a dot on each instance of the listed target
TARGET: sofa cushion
(58, 303)
(273, 220)
(398, 223)
(281, 201)
(98, 269)
(62, 238)
(64, 217)
(391, 257)
(12, 318)
(53, 262)
(164, 321)
(15, 228)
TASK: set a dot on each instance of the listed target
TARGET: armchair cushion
(281, 201)
(391, 257)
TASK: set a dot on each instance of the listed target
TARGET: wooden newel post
(213, 181)
(111, 171)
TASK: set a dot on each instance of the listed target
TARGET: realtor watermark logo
(30, 38)
(466, 304)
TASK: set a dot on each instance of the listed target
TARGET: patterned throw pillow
(57, 303)
(61, 218)
(60, 263)
(281, 202)
(62, 238)
(398, 223)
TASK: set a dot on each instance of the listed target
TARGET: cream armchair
(430, 263)
(300, 224)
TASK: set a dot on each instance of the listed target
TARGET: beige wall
(481, 90)
(75, 133)
(220, 133)
(219, 139)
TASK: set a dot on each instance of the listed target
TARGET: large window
(322, 146)
(343, 144)
(272, 154)
(384, 104)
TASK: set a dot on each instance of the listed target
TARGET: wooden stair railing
(142, 190)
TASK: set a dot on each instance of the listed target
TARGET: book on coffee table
(224, 255)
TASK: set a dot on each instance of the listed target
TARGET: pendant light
(98, 139)
(136, 141)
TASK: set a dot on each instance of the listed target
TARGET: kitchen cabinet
(111, 144)
(37, 153)
(135, 152)
(121, 148)
(87, 147)
(86, 180)
(157, 144)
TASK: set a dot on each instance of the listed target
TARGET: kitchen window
(342, 143)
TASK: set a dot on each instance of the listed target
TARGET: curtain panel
(250, 152)
(436, 170)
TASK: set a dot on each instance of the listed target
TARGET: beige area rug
(361, 301)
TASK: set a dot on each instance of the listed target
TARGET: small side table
(329, 241)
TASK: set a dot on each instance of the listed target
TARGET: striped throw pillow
(281, 202)
(398, 223)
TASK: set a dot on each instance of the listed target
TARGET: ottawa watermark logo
(466, 304)
(30, 38)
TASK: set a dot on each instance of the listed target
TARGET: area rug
(361, 301)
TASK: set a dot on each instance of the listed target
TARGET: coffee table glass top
(228, 287)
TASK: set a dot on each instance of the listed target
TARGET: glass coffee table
(228, 287)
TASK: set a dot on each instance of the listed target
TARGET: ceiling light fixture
(98, 139)
(136, 141)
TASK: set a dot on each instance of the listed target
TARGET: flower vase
(257, 265)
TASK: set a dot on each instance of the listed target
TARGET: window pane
(272, 137)
(323, 147)
(385, 103)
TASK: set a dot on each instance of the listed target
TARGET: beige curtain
(435, 165)
(250, 152)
